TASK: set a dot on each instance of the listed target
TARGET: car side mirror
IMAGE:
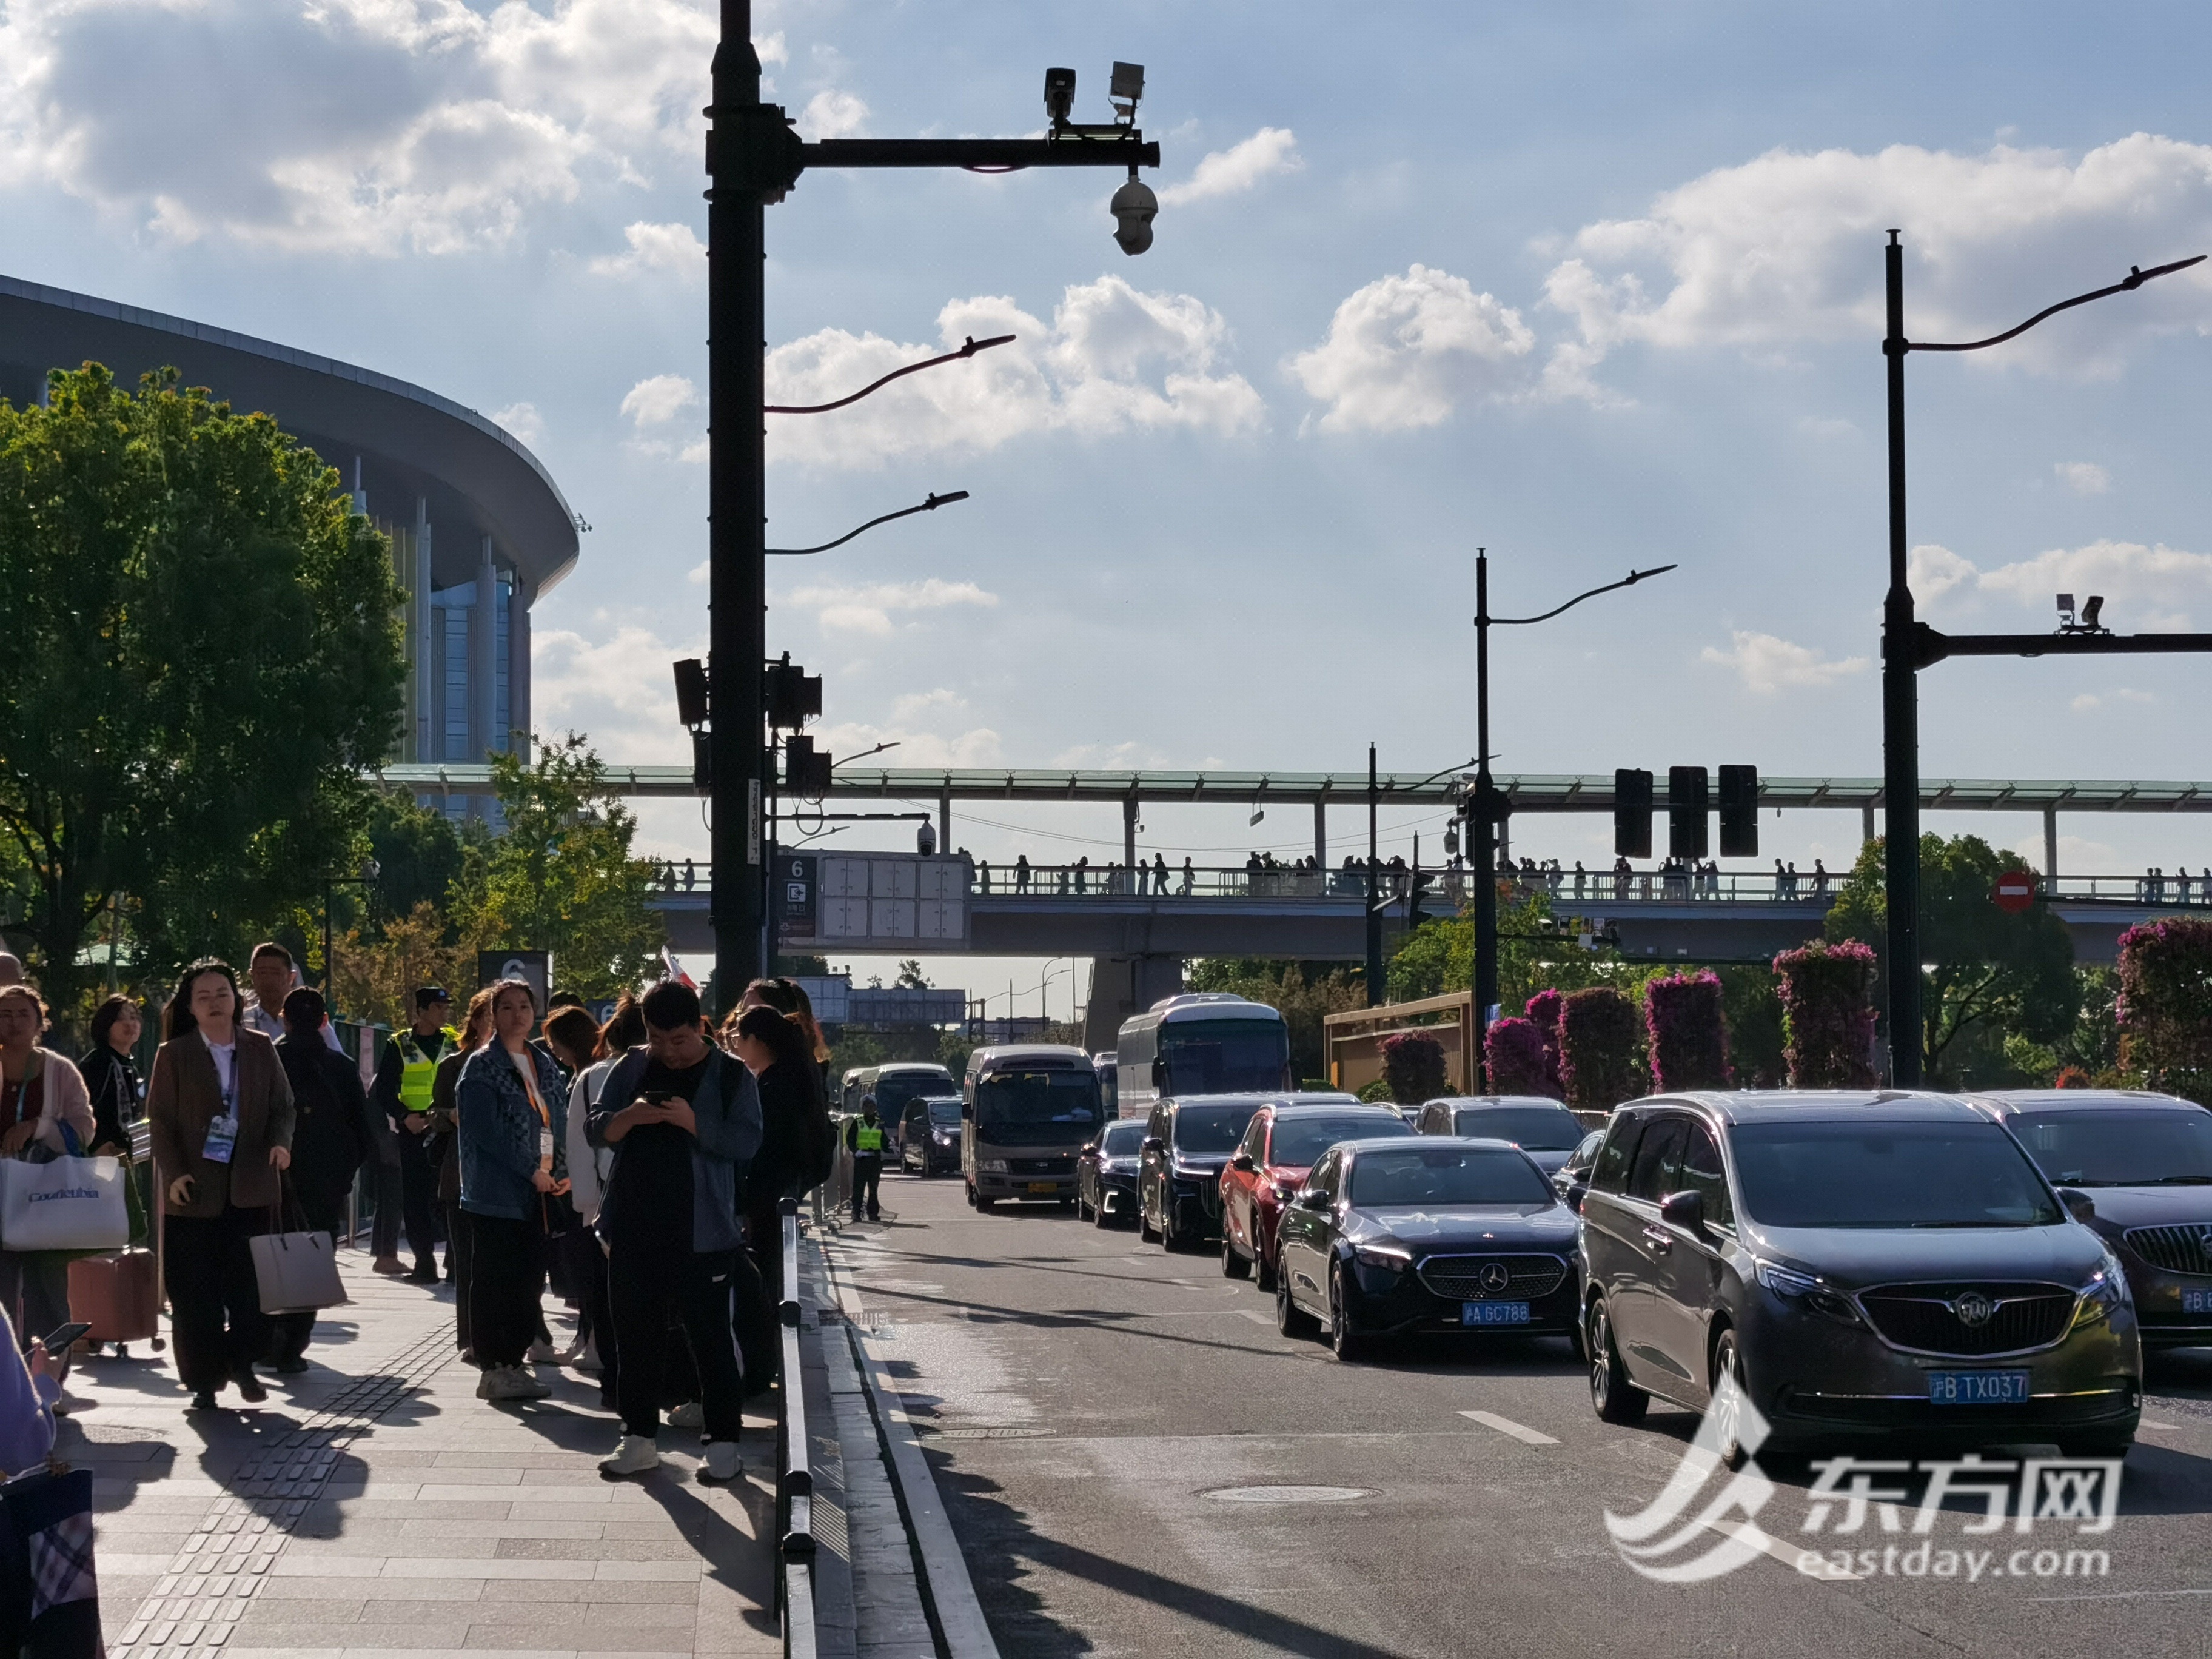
(1312, 1199)
(2079, 1204)
(1242, 1162)
(1153, 1146)
(1684, 1209)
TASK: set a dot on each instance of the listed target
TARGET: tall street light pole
(1909, 645)
(1486, 809)
(1373, 892)
(753, 159)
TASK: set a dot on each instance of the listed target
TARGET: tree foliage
(2166, 1004)
(561, 875)
(204, 653)
(1992, 970)
(1302, 991)
(1413, 1066)
(1827, 1014)
(1533, 955)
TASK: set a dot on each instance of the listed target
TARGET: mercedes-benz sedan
(2136, 1167)
(1405, 1235)
(1864, 1266)
(1106, 1172)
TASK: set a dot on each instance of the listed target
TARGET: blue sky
(1592, 285)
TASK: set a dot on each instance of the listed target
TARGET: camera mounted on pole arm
(1133, 206)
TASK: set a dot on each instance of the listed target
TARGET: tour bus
(893, 1085)
(1027, 1110)
(1202, 1042)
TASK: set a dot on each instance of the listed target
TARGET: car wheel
(1099, 1219)
(1290, 1319)
(1348, 1344)
(1614, 1397)
(1146, 1231)
(983, 1203)
(971, 1194)
(1728, 1404)
(1233, 1264)
(1169, 1242)
(1264, 1273)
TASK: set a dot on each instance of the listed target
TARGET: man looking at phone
(683, 1118)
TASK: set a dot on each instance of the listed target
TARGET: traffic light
(806, 771)
(1631, 814)
(1687, 802)
(1739, 811)
(702, 762)
(1418, 890)
(692, 692)
(794, 696)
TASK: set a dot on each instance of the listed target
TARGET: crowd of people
(633, 1168)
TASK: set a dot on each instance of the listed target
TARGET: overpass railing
(1448, 889)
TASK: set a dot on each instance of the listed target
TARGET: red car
(1280, 1144)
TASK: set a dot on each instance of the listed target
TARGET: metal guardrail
(794, 1482)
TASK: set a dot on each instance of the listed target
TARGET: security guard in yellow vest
(402, 1099)
(864, 1135)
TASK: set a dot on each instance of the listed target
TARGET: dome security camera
(1133, 207)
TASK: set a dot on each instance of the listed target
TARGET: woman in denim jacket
(511, 1142)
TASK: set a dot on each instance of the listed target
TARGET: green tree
(561, 875)
(1302, 991)
(1988, 972)
(1536, 953)
(417, 851)
(910, 976)
(204, 653)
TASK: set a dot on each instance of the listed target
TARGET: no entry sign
(2015, 891)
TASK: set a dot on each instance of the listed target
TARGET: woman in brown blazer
(213, 1069)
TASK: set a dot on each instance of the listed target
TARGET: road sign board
(2015, 891)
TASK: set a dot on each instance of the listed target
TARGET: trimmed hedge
(1597, 1048)
(1688, 1035)
(1413, 1066)
(1827, 1014)
(1518, 1062)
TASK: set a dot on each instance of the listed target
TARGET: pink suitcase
(117, 1295)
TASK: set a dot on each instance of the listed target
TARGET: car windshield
(2154, 1146)
(1842, 1174)
(1121, 1140)
(1224, 1056)
(1298, 1142)
(1539, 1128)
(1206, 1129)
(1436, 1176)
(946, 1112)
(893, 1091)
(1041, 1107)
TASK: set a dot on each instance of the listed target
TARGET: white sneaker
(691, 1414)
(487, 1384)
(722, 1460)
(543, 1353)
(634, 1455)
(512, 1382)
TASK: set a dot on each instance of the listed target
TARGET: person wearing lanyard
(39, 1091)
(221, 1111)
(512, 1112)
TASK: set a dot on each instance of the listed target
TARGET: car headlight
(1387, 1256)
(1793, 1287)
(2107, 1289)
(942, 1137)
(1284, 1191)
(992, 1165)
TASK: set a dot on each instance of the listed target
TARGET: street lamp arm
(969, 348)
(2135, 279)
(929, 506)
(1629, 581)
(864, 754)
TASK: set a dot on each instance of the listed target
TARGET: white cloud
(870, 607)
(915, 705)
(833, 114)
(2083, 478)
(1404, 351)
(1113, 359)
(977, 746)
(659, 400)
(2124, 695)
(655, 247)
(1769, 664)
(1228, 172)
(604, 690)
(771, 50)
(523, 420)
(2146, 589)
(1786, 249)
(363, 126)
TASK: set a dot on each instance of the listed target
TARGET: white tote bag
(296, 1273)
(64, 1203)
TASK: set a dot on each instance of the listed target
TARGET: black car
(1400, 1236)
(1106, 1172)
(1187, 1142)
(1571, 1179)
(1864, 1265)
(929, 1135)
(2137, 1169)
(1538, 1125)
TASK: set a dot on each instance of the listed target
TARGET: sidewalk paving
(374, 1505)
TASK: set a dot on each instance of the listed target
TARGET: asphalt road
(1099, 1413)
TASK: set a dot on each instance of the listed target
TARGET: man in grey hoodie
(683, 1118)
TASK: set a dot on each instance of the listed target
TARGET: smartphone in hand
(66, 1337)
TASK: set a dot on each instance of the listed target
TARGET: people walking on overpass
(405, 1072)
(865, 1136)
(331, 1140)
(512, 1110)
(1082, 874)
(1160, 874)
(683, 1119)
(1820, 879)
(220, 1107)
(1189, 876)
(1021, 872)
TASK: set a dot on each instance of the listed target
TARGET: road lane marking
(1810, 1563)
(1520, 1431)
(1256, 1316)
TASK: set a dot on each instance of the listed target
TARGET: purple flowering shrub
(1688, 1036)
(1544, 1009)
(1597, 1048)
(1518, 1063)
(2165, 1007)
(1413, 1066)
(1827, 1014)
